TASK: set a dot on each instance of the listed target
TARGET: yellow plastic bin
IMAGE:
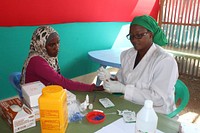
(53, 109)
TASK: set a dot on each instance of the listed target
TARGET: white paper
(189, 128)
(119, 126)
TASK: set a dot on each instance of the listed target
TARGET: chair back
(181, 93)
(14, 79)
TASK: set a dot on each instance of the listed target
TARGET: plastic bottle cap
(148, 104)
(90, 106)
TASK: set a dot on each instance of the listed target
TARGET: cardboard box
(17, 115)
(35, 110)
(31, 92)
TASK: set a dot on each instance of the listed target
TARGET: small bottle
(147, 119)
(53, 109)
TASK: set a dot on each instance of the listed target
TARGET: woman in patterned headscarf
(147, 71)
(42, 62)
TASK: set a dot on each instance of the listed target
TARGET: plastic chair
(182, 93)
(14, 79)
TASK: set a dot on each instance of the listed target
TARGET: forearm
(50, 76)
(139, 95)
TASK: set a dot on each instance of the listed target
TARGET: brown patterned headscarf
(39, 39)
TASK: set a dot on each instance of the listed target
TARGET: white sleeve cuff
(132, 94)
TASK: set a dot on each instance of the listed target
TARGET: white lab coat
(153, 78)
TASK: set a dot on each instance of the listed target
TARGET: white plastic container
(147, 119)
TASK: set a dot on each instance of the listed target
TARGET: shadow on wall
(121, 40)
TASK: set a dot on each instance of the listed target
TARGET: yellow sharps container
(53, 109)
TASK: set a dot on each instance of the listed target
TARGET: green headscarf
(150, 24)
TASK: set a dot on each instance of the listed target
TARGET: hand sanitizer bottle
(146, 121)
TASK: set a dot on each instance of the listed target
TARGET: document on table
(119, 126)
(189, 128)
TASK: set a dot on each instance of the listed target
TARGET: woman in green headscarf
(147, 71)
(151, 25)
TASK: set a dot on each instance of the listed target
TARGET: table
(108, 57)
(165, 124)
(111, 57)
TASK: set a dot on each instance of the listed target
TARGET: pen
(94, 97)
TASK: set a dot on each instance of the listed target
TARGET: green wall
(76, 39)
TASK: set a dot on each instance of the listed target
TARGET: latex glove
(103, 74)
(114, 86)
